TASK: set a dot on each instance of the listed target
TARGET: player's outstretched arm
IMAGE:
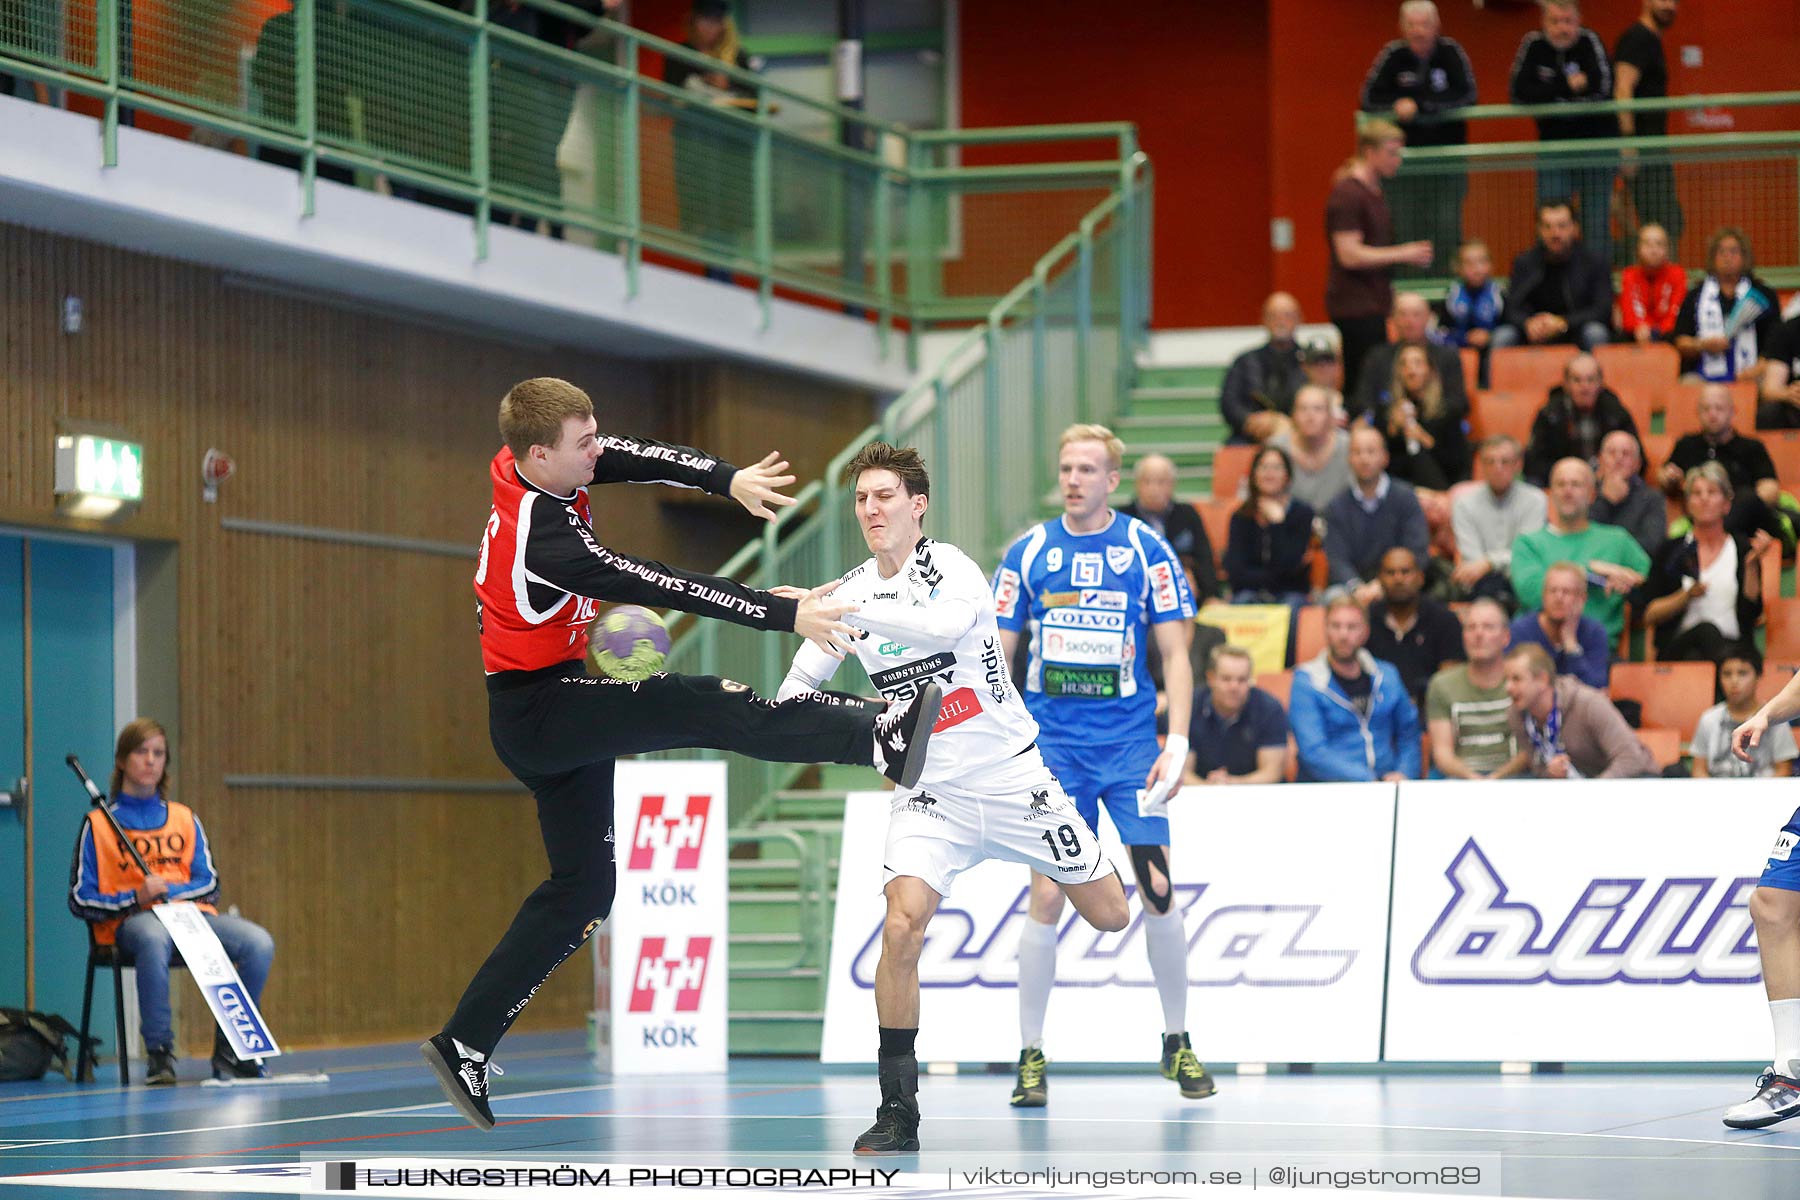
(646, 460)
(1783, 706)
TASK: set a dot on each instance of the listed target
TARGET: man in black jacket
(1564, 63)
(1258, 393)
(1416, 78)
(1575, 420)
(1561, 289)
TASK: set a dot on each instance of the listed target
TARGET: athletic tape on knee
(1142, 859)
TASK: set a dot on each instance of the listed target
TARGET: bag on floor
(31, 1043)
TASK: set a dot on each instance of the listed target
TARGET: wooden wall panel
(307, 657)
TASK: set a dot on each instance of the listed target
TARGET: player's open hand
(788, 591)
(1749, 736)
(821, 620)
(754, 487)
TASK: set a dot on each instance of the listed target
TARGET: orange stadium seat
(1309, 632)
(1775, 676)
(1471, 365)
(1215, 516)
(1279, 684)
(1534, 369)
(1784, 449)
(1230, 467)
(1782, 629)
(1673, 694)
(1657, 448)
(1681, 408)
(1630, 368)
(1496, 412)
(1664, 745)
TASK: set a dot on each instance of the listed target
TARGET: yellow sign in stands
(1262, 629)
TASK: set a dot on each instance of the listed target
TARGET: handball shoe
(1032, 1090)
(463, 1078)
(1181, 1064)
(902, 734)
(1777, 1098)
(896, 1127)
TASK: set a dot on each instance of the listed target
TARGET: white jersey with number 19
(932, 620)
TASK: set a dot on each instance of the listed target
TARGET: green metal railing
(789, 190)
(1694, 182)
(1059, 347)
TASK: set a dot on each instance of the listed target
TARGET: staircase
(1174, 411)
(784, 871)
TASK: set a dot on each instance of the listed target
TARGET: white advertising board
(660, 960)
(230, 1001)
(1284, 891)
(1590, 921)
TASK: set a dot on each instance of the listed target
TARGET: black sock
(896, 1043)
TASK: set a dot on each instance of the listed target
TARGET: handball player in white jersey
(926, 613)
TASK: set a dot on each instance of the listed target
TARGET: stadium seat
(1309, 633)
(1775, 676)
(1644, 370)
(1534, 369)
(1496, 412)
(1471, 365)
(1657, 448)
(1784, 449)
(1664, 745)
(1279, 684)
(1782, 629)
(1215, 516)
(1230, 467)
(1673, 694)
(1681, 408)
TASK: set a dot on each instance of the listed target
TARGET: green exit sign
(101, 469)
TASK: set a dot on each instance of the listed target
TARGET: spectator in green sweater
(1615, 562)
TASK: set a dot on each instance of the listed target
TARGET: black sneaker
(162, 1067)
(227, 1065)
(1777, 1098)
(896, 1127)
(464, 1079)
(1181, 1064)
(1031, 1090)
(901, 735)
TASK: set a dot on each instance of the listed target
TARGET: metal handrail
(811, 891)
(1584, 108)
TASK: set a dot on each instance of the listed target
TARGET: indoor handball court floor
(1573, 1135)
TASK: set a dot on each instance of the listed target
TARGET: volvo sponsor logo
(1692, 929)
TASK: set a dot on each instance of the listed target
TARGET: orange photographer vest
(168, 851)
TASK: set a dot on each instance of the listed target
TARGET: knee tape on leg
(1142, 859)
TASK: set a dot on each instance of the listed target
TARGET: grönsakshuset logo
(1252, 944)
(1690, 929)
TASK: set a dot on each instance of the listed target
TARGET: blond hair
(1115, 449)
(1375, 132)
(533, 411)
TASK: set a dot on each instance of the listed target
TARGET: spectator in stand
(1409, 629)
(1359, 230)
(1641, 72)
(1259, 388)
(1154, 484)
(1351, 716)
(1414, 80)
(1411, 319)
(1472, 309)
(1576, 643)
(1317, 449)
(1561, 289)
(1780, 407)
(1566, 729)
(1268, 551)
(1323, 368)
(1489, 518)
(1704, 590)
(1650, 293)
(1623, 498)
(1575, 419)
(1466, 707)
(1376, 512)
(1743, 456)
(1238, 732)
(1423, 426)
(1615, 564)
(272, 75)
(1729, 319)
(1565, 63)
(713, 161)
(1774, 755)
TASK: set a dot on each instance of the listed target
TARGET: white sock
(1785, 1015)
(1165, 938)
(463, 1050)
(1037, 974)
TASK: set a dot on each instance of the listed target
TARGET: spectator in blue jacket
(1350, 713)
(1373, 515)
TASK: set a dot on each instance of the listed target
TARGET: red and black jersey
(542, 574)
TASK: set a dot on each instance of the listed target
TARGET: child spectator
(1472, 307)
(1651, 292)
(1774, 755)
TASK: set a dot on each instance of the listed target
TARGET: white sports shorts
(1013, 810)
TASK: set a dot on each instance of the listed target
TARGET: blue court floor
(1574, 1135)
